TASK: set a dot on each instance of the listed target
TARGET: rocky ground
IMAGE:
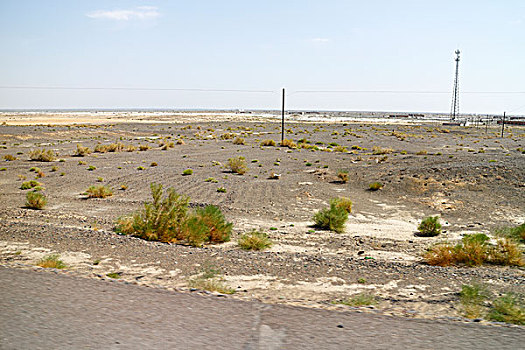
(473, 179)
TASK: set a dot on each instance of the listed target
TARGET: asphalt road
(43, 310)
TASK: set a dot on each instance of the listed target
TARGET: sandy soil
(474, 180)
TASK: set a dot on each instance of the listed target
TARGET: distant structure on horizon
(454, 110)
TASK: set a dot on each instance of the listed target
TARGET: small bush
(35, 200)
(51, 261)
(508, 308)
(345, 203)
(507, 253)
(472, 298)
(238, 141)
(210, 280)
(101, 148)
(153, 164)
(218, 229)
(141, 168)
(473, 250)
(211, 179)
(227, 136)
(374, 186)
(333, 218)
(340, 149)
(378, 150)
(268, 143)
(288, 143)
(29, 184)
(187, 172)
(254, 240)
(91, 168)
(82, 151)
(144, 147)
(238, 165)
(343, 176)
(10, 158)
(221, 190)
(517, 233)
(362, 299)
(99, 191)
(42, 155)
(116, 147)
(429, 227)
(441, 254)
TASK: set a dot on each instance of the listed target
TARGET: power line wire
(405, 92)
(131, 89)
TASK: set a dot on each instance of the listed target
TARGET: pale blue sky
(263, 45)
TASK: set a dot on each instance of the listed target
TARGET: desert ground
(471, 177)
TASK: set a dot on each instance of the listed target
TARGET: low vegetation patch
(288, 143)
(51, 261)
(374, 186)
(345, 203)
(187, 172)
(42, 155)
(9, 158)
(516, 233)
(210, 279)
(238, 141)
(333, 218)
(35, 200)
(82, 151)
(476, 250)
(343, 176)
(99, 191)
(238, 165)
(362, 299)
(429, 227)
(268, 143)
(254, 240)
(29, 184)
(168, 219)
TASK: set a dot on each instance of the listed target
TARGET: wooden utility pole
(282, 120)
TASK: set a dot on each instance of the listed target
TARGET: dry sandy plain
(473, 179)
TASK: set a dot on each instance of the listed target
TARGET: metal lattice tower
(454, 110)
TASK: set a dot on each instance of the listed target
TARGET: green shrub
(254, 240)
(333, 218)
(211, 179)
(508, 308)
(345, 203)
(221, 190)
(343, 176)
(51, 261)
(473, 250)
(29, 184)
(472, 298)
(378, 150)
(99, 191)
(187, 172)
(82, 151)
(288, 143)
(10, 158)
(362, 299)
(238, 141)
(167, 220)
(268, 143)
(42, 155)
(159, 220)
(429, 227)
(374, 186)
(517, 233)
(35, 200)
(238, 165)
(91, 168)
(506, 252)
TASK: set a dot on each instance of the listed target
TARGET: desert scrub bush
(475, 250)
(345, 203)
(254, 240)
(9, 158)
(378, 150)
(268, 143)
(237, 165)
(211, 179)
(51, 261)
(342, 149)
(144, 147)
(422, 153)
(35, 200)
(141, 168)
(333, 218)
(187, 172)
(81, 151)
(288, 143)
(91, 168)
(206, 225)
(99, 191)
(517, 233)
(238, 141)
(221, 190)
(509, 308)
(361, 299)
(429, 227)
(153, 164)
(116, 147)
(29, 184)
(472, 299)
(209, 279)
(227, 136)
(99, 148)
(343, 176)
(374, 186)
(54, 168)
(42, 155)
(159, 220)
